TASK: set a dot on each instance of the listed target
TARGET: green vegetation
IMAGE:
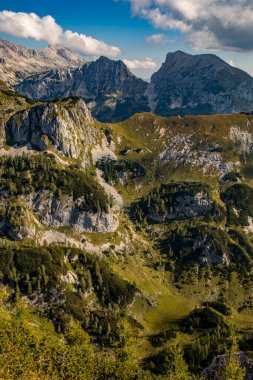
(26, 174)
(233, 369)
(178, 201)
(30, 349)
(162, 295)
(31, 270)
(113, 170)
(239, 201)
(213, 337)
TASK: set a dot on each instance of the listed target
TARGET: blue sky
(141, 32)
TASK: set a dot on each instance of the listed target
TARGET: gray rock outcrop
(66, 212)
(66, 126)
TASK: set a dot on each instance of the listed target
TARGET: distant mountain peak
(178, 53)
(20, 62)
(200, 84)
(107, 61)
(103, 58)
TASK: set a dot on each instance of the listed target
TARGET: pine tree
(233, 369)
(180, 368)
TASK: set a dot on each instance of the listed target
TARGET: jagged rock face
(10, 102)
(67, 126)
(66, 212)
(208, 256)
(112, 92)
(18, 62)
(201, 84)
(184, 150)
(203, 246)
(243, 139)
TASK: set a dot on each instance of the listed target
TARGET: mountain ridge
(17, 62)
(185, 84)
(202, 83)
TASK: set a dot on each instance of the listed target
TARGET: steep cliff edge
(66, 126)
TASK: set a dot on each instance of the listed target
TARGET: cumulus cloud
(30, 25)
(159, 38)
(207, 24)
(146, 64)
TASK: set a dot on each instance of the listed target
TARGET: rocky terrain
(67, 126)
(18, 62)
(215, 369)
(200, 84)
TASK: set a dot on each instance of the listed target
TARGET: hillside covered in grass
(130, 255)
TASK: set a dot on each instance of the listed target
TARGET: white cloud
(146, 64)
(138, 5)
(159, 38)
(207, 24)
(88, 45)
(30, 25)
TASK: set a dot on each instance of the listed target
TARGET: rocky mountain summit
(66, 130)
(18, 62)
(200, 84)
(111, 91)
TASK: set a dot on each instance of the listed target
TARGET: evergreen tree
(179, 369)
(233, 369)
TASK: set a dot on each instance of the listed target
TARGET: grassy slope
(149, 133)
(160, 303)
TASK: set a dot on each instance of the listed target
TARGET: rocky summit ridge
(108, 87)
(18, 62)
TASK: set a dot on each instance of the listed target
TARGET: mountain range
(185, 83)
(18, 62)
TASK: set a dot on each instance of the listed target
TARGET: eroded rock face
(16, 222)
(66, 126)
(66, 212)
(208, 256)
(208, 247)
(182, 149)
(243, 138)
